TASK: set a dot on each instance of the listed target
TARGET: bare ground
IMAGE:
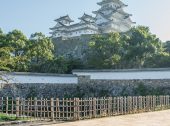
(161, 118)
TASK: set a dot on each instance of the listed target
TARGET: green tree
(167, 46)
(74, 63)
(56, 65)
(160, 60)
(105, 51)
(40, 49)
(141, 45)
(6, 61)
(12, 51)
(18, 41)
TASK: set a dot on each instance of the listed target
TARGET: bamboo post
(90, 108)
(94, 107)
(133, 104)
(52, 109)
(12, 106)
(85, 107)
(151, 97)
(167, 101)
(125, 105)
(100, 106)
(164, 102)
(17, 107)
(7, 105)
(41, 106)
(47, 107)
(58, 108)
(161, 100)
(154, 103)
(140, 103)
(78, 108)
(147, 103)
(35, 107)
(28, 107)
(118, 105)
(114, 106)
(63, 108)
(121, 105)
(109, 106)
(74, 108)
(31, 111)
(1, 102)
(23, 104)
(69, 108)
(67, 112)
(128, 104)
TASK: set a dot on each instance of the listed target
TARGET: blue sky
(37, 15)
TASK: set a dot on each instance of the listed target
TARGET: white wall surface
(42, 79)
(127, 75)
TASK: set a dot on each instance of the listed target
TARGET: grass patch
(5, 117)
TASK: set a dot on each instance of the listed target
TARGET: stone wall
(88, 88)
(75, 47)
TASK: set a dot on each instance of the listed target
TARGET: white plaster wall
(127, 75)
(41, 79)
(100, 19)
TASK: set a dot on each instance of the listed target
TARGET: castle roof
(72, 26)
(109, 1)
(112, 16)
(114, 10)
(86, 16)
(66, 18)
(101, 13)
(73, 30)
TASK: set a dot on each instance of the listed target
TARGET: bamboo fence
(69, 109)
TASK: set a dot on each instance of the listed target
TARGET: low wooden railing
(86, 108)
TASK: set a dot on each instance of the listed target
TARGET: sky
(32, 16)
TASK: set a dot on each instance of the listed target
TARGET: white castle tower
(60, 29)
(109, 18)
(112, 18)
(64, 28)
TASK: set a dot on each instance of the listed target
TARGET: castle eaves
(67, 18)
(114, 1)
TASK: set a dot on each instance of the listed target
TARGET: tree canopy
(137, 48)
(132, 49)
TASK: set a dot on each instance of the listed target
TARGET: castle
(109, 18)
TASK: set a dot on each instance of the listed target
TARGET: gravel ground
(161, 118)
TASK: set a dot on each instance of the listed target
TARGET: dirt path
(161, 118)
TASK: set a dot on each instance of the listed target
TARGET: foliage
(16, 40)
(144, 90)
(40, 48)
(5, 117)
(56, 65)
(17, 53)
(161, 60)
(105, 51)
(73, 63)
(132, 49)
(140, 46)
(137, 48)
(167, 46)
